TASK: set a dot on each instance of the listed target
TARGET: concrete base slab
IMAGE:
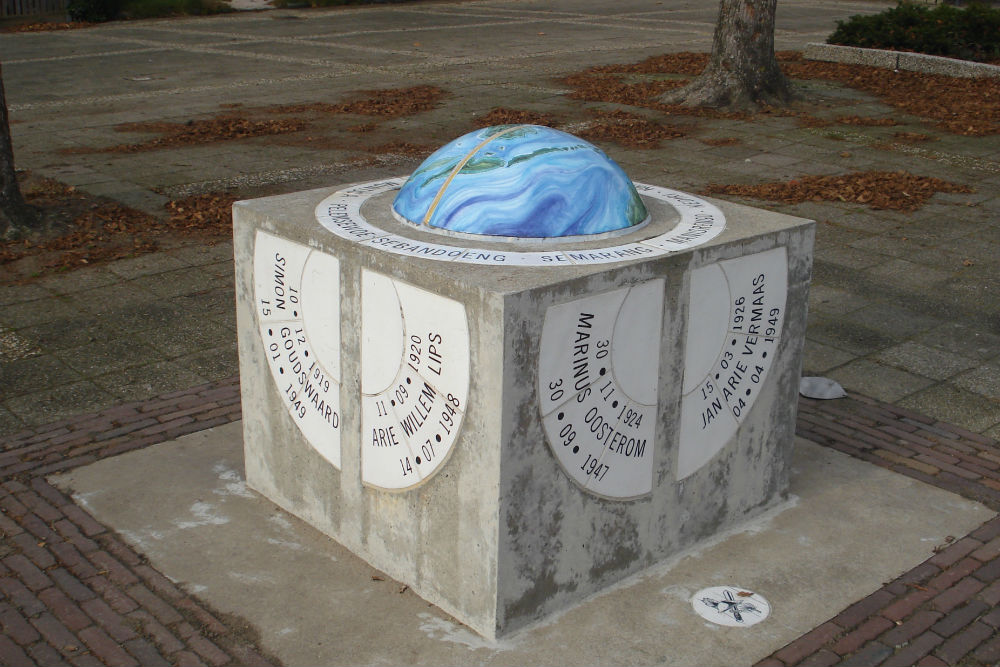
(847, 528)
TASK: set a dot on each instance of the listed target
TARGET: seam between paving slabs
(75, 592)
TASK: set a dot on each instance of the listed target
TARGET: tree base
(731, 93)
(17, 222)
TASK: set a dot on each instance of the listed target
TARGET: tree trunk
(742, 71)
(16, 217)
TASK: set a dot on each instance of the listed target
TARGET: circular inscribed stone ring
(697, 221)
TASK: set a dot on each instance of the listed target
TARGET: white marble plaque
(297, 294)
(414, 380)
(340, 213)
(735, 317)
(598, 373)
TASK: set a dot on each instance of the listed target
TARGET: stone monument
(516, 377)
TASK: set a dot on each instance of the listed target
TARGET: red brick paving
(74, 593)
(944, 611)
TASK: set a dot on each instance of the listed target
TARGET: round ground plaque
(730, 606)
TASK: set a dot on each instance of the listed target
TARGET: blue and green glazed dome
(524, 181)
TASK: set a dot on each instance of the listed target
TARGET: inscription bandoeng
(340, 213)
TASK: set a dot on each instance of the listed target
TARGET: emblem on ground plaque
(297, 292)
(598, 372)
(536, 351)
(736, 311)
(414, 380)
(730, 606)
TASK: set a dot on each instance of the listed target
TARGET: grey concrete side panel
(752, 470)
(560, 543)
(266, 420)
(439, 538)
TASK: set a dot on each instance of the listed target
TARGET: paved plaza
(904, 306)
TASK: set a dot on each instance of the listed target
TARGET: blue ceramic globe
(524, 181)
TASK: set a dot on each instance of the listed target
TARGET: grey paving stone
(984, 380)
(209, 302)
(56, 403)
(140, 382)
(864, 220)
(12, 294)
(199, 255)
(926, 361)
(819, 358)
(175, 283)
(145, 265)
(9, 422)
(993, 432)
(214, 364)
(224, 270)
(878, 381)
(909, 275)
(848, 336)
(30, 313)
(852, 258)
(887, 245)
(830, 233)
(942, 223)
(228, 320)
(941, 258)
(990, 233)
(962, 339)
(106, 356)
(33, 374)
(834, 301)
(894, 321)
(78, 280)
(976, 287)
(955, 405)
(112, 297)
(14, 347)
(63, 334)
(188, 338)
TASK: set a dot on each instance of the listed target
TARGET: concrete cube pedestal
(509, 427)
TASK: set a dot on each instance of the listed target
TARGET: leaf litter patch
(963, 106)
(207, 215)
(249, 123)
(960, 105)
(896, 190)
(76, 229)
(47, 27)
(389, 103)
(721, 141)
(196, 132)
(628, 129)
(505, 116)
(867, 121)
(913, 137)
(79, 229)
